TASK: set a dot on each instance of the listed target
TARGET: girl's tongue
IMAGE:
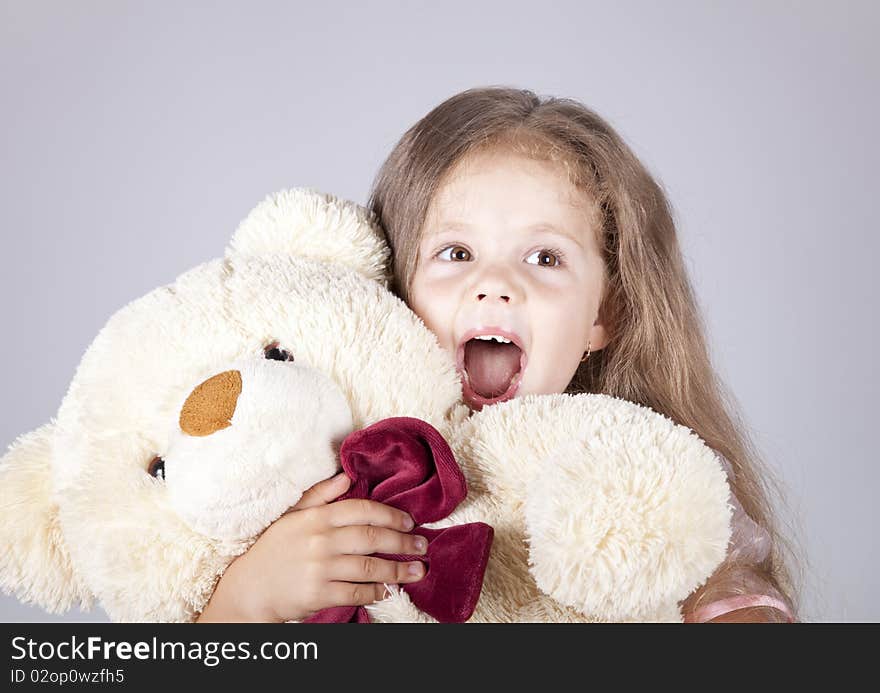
(490, 366)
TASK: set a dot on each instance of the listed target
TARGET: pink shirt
(742, 587)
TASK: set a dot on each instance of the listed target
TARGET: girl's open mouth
(491, 371)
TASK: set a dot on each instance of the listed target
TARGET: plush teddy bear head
(204, 409)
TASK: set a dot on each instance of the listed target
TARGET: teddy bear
(202, 411)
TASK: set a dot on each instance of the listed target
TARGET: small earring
(586, 353)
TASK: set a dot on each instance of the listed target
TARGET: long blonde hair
(657, 355)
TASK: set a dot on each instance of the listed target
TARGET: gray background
(136, 136)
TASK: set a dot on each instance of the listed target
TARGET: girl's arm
(316, 556)
(736, 594)
(738, 591)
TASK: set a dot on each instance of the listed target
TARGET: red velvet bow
(406, 463)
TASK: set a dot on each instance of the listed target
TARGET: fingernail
(416, 569)
(421, 544)
(408, 523)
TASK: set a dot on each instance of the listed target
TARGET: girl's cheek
(443, 280)
(439, 269)
(546, 280)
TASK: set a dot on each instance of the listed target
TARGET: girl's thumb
(324, 492)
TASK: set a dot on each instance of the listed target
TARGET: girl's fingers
(365, 512)
(366, 569)
(353, 593)
(366, 539)
(323, 492)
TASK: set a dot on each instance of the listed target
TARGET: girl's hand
(316, 556)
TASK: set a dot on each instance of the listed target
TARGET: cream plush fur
(603, 510)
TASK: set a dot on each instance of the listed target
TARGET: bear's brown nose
(211, 404)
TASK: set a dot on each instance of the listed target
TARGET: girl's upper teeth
(496, 337)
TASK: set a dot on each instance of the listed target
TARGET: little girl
(530, 220)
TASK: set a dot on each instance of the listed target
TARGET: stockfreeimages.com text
(209, 653)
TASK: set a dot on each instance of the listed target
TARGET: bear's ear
(307, 223)
(34, 562)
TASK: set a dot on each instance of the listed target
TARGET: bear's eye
(157, 468)
(274, 352)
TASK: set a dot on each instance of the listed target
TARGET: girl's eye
(157, 468)
(457, 254)
(548, 257)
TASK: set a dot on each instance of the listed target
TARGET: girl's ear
(34, 562)
(600, 332)
(309, 224)
(599, 337)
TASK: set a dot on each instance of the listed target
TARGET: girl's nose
(496, 284)
(504, 298)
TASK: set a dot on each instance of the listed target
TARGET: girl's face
(509, 248)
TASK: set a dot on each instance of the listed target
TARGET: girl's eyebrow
(450, 227)
(541, 227)
(555, 231)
